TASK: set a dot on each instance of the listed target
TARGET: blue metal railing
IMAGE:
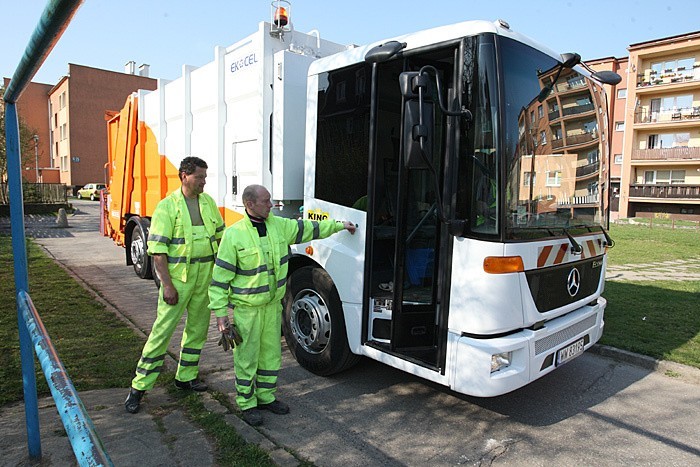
(86, 444)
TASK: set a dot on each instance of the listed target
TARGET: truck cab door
(405, 235)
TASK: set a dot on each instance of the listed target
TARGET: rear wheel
(314, 325)
(93, 197)
(139, 250)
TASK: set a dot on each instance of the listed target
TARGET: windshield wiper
(576, 247)
(610, 242)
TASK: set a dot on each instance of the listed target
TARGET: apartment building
(617, 101)
(78, 131)
(32, 108)
(661, 152)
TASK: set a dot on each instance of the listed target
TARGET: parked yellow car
(91, 190)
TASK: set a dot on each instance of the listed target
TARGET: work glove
(230, 338)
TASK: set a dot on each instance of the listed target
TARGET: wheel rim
(137, 251)
(310, 321)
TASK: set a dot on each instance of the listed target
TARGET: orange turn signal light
(503, 264)
(309, 250)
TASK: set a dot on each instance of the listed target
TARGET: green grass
(660, 319)
(96, 348)
(637, 244)
(232, 449)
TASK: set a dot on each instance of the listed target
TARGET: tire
(138, 249)
(92, 197)
(79, 196)
(313, 323)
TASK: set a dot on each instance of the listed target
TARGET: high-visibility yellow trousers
(192, 296)
(257, 360)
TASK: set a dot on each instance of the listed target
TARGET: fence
(38, 193)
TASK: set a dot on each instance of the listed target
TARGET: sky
(167, 34)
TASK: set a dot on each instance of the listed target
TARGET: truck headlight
(500, 361)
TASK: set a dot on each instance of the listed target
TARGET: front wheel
(313, 323)
(80, 196)
(139, 252)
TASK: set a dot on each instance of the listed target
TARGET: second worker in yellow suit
(251, 274)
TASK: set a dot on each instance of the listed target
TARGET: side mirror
(418, 134)
(607, 77)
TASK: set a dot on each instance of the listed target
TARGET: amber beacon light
(280, 18)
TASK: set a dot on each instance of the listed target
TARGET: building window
(618, 158)
(668, 140)
(543, 137)
(554, 178)
(532, 116)
(664, 177)
(619, 126)
(529, 178)
(540, 112)
(622, 93)
(64, 163)
(62, 100)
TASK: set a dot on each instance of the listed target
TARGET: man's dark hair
(189, 165)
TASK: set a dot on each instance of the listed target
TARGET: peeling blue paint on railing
(86, 444)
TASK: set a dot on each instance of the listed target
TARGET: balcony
(586, 170)
(666, 154)
(570, 86)
(667, 116)
(585, 200)
(665, 191)
(651, 78)
(578, 109)
(581, 138)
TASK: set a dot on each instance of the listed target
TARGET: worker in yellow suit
(186, 228)
(251, 274)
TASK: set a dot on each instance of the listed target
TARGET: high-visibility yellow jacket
(171, 231)
(241, 274)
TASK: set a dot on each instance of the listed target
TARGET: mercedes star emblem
(573, 282)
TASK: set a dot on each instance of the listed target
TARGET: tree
(26, 147)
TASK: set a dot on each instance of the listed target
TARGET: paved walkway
(319, 429)
(676, 270)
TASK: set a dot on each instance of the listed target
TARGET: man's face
(261, 206)
(193, 184)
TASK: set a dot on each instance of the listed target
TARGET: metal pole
(36, 156)
(14, 179)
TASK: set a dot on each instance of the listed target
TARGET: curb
(685, 373)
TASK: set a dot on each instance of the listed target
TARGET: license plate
(570, 352)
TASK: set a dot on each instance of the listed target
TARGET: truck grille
(558, 338)
(548, 285)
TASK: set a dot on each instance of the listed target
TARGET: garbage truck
(473, 160)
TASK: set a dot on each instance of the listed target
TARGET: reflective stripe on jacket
(171, 230)
(241, 272)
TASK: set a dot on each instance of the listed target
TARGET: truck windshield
(531, 163)
(554, 146)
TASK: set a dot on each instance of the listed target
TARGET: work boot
(194, 385)
(276, 406)
(133, 400)
(252, 417)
